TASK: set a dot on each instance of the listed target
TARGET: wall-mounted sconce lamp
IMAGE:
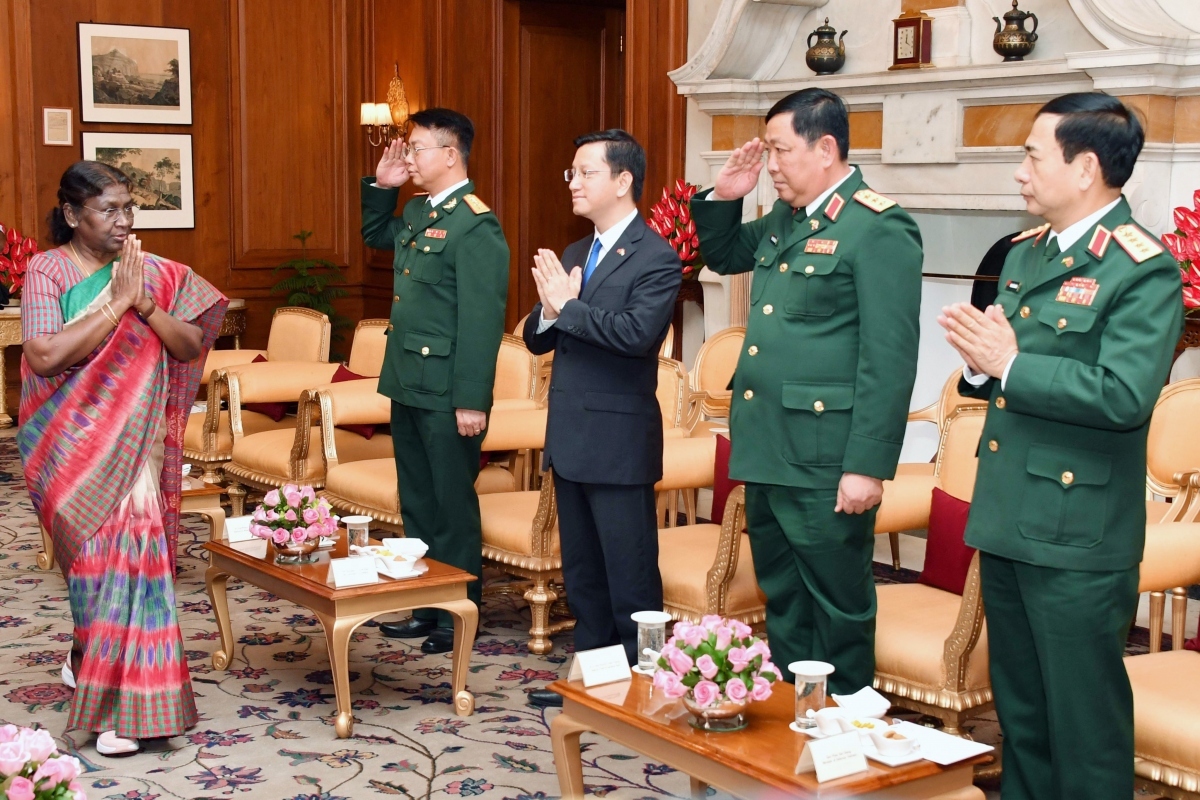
(386, 121)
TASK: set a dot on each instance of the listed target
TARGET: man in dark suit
(605, 315)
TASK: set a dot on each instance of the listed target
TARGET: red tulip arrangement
(671, 218)
(1184, 245)
(15, 252)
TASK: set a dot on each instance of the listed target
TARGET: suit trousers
(436, 469)
(609, 536)
(814, 566)
(1056, 648)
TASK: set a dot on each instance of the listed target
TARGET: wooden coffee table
(341, 611)
(757, 762)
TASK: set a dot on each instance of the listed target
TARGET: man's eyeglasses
(571, 174)
(109, 215)
(410, 150)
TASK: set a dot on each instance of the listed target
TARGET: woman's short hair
(1102, 124)
(82, 181)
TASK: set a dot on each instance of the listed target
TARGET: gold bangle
(111, 315)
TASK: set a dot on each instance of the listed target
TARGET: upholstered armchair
(905, 504)
(297, 335)
(517, 381)
(931, 645)
(711, 374)
(680, 407)
(1166, 705)
(1171, 448)
(269, 459)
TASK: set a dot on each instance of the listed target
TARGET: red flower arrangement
(671, 218)
(15, 252)
(1184, 245)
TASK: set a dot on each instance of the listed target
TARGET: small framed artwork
(133, 73)
(160, 167)
(56, 127)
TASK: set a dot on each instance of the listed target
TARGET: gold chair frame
(714, 402)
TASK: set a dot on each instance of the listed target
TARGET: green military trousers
(436, 469)
(814, 566)
(1056, 639)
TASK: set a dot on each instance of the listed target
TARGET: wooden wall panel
(998, 126)
(728, 132)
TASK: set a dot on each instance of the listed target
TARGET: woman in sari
(114, 343)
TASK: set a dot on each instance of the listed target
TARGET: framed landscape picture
(160, 166)
(131, 73)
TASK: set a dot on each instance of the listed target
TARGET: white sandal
(68, 677)
(109, 744)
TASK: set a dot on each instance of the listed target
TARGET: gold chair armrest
(515, 429)
(957, 650)
(317, 406)
(307, 413)
(927, 414)
(692, 405)
(725, 564)
(545, 366)
(357, 402)
(1186, 505)
(223, 359)
(715, 404)
(217, 390)
(279, 381)
(545, 521)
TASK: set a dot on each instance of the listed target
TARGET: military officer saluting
(1071, 359)
(447, 320)
(822, 389)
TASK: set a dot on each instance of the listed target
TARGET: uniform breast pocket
(427, 265)
(426, 363)
(813, 286)
(1065, 498)
(817, 418)
(1066, 319)
(764, 259)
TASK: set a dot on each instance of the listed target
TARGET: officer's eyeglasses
(571, 174)
(410, 150)
(109, 215)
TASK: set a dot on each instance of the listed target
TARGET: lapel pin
(620, 251)
(433, 215)
(1068, 262)
(814, 223)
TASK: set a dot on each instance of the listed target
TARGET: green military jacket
(823, 385)
(1062, 460)
(450, 290)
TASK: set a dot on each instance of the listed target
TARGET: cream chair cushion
(1166, 708)
(220, 359)
(508, 522)
(371, 482)
(687, 553)
(270, 453)
(252, 423)
(907, 468)
(905, 504)
(911, 628)
(298, 334)
(366, 352)
(687, 463)
(494, 479)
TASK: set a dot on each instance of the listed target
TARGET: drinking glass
(358, 530)
(811, 678)
(652, 635)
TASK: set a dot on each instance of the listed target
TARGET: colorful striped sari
(102, 448)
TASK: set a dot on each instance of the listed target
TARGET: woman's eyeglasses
(109, 215)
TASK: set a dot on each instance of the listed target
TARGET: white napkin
(866, 702)
(941, 748)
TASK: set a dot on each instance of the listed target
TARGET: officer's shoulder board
(1038, 231)
(477, 205)
(1136, 242)
(874, 201)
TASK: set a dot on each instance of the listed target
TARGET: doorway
(563, 77)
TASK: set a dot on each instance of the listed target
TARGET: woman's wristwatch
(146, 315)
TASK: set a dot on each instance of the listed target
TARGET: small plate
(813, 732)
(872, 752)
(641, 671)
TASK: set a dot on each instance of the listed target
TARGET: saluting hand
(555, 286)
(985, 340)
(392, 170)
(128, 281)
(739, 176)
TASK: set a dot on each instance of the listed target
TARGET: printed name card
(352, 571)
(237, 529)
(600, 666)
(833, 757)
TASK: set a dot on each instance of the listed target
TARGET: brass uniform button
(748, 394)
(818, 406)
(993, 445)
(414, 244)
(768, 308)
(424, 351)
(753, 350)
(1062, 323)
(1068, 478)
(1001, 402)
(406, 270)
(783, 267)
(390, 328)
(810, 269)
(395, 298)
(1024, 312)
(426, 248)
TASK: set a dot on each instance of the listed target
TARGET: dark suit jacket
(604, 420)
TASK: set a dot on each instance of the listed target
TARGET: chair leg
(540, 596)
(212, 473)
(1179, 600)
(672, 509)
(237, 498)
(690, 497)
(894, 541)
(660, 507)
(1158, 603)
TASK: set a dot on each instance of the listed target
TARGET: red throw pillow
(947, 557)
(722, 484)
(275, 411)
(343, 374)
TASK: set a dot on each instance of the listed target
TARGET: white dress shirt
(607, 240)
(436, 200)
(1066, 240)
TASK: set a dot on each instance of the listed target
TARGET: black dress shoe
(411, 628)
(544, 698)
(441, 640)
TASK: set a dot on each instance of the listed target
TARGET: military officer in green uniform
(1071, 359)
(822, 388)
(447, 319)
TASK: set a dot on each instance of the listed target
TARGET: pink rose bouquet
(293, 515)
(31, 768)
(716, 661)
